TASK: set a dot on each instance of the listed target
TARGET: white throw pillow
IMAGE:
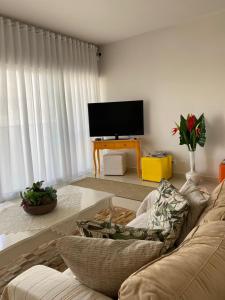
(197, 201)
(147, 203)
(140, 221)
(103, 264)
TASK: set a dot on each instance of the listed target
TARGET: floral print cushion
(109, 230)
(168, 212)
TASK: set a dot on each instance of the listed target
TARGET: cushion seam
(214, 202)
(200, 270)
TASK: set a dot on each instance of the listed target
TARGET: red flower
(191, 120)
(174, 130)
(197, 131)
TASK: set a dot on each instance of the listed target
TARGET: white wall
(175, 70)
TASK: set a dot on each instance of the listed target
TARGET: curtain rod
(23, 23)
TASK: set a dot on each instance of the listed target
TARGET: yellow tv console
(115, 145)
(156, 168)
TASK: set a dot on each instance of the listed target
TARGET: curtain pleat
(46, 81)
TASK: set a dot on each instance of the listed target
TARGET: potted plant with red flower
(192, 132)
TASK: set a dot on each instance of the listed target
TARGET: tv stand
(115, 145)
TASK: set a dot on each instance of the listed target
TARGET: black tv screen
(122, 118)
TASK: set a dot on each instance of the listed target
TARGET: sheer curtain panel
(46, 81)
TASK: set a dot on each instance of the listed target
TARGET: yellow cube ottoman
(156, 168)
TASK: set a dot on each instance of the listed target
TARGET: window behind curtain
(46, 81)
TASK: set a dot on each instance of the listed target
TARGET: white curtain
(46, 81)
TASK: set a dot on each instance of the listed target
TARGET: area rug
(120, 189)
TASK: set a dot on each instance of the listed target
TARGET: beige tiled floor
(131, 177)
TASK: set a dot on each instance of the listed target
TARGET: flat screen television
(120, 118)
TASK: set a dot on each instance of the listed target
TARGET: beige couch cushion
(41, 282)
(215, 210)
(194, 271)
(197, 202)
(103, 264)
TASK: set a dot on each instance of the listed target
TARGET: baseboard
(206, 178)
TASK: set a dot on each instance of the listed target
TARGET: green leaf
(202, 137)
(184, 134)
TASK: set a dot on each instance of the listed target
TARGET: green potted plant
(37, 200)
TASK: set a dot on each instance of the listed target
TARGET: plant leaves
(202, 137)
(184, 135)
(36, 195)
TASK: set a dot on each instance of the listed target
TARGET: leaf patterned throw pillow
(168, 212)
(109, 230)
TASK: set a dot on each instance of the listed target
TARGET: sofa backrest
(193, 271)
(215, 211)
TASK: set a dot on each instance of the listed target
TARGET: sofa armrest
(41, 282)
(195, 270)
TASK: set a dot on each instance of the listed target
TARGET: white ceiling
(105, 21)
